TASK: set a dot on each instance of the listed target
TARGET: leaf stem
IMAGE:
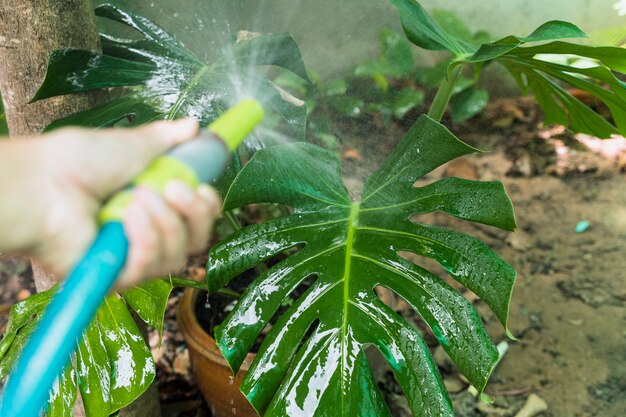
(234, 222)
(171, 115)
(442, 98)
(200, 285)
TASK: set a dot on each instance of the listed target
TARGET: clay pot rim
(196, 337)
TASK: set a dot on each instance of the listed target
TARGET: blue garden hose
(48, 351)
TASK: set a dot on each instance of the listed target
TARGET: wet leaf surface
(312, 360)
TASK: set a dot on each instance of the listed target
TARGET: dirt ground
(569, 305)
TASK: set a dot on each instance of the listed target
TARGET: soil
(569, 306)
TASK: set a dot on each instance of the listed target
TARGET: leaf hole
(386, 381)
(439, 271)
(291, 298)
(212, 311)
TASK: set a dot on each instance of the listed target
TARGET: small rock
(157, 354)
(454, 385)
(492, 410)
(386, 296)
(23, 295)
(399, 406)
(442, 359)
(352, 154)
(402, 306)
(534, 405)
(519, 241)
(462, 168)
(582, 226)
(182, 362)
(244, 35)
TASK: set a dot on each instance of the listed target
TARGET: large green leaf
(165, 80)
(312, 362)
(532, 70)
(113, 364)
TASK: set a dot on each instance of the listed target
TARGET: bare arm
(52, 187)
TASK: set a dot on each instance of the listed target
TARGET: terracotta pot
(212, 372)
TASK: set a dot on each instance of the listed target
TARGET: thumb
(122, 154)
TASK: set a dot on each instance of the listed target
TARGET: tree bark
(29, 31)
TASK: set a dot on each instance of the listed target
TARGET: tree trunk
(29, 31)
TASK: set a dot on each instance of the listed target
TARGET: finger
(199, 209)
(171, 230)
(144, 245)
(116, 156)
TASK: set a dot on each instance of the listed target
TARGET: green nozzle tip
(237, 123)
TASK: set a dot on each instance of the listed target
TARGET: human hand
(79, 169)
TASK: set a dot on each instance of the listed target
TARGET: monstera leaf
(166, 80)
(114, 366)
(312, 361)
(534, 68)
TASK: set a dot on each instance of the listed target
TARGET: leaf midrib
(354, 216)
(194, 81)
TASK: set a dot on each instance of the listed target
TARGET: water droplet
(231, 380)
(207, 304)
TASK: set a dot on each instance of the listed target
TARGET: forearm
(21, 195)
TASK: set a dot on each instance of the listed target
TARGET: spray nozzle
(237, 123)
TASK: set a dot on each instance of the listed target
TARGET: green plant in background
(532, 73)
(397, 63)
(164, 80)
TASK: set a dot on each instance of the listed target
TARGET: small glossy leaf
(63, 394)
(452, 24)
(425, 32)
(406, 100)
(165, 80)
(468, 103)
(396, 53)
(132, 107)
(432, 77)
(14, 348)
(114, 363)
(312, 361)
(348, 105)
(21, 314)
(336, 88)
(149, 301)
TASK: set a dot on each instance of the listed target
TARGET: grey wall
(336, 34)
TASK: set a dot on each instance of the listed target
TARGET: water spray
(48, 351)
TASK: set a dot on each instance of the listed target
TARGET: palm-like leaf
(166, 80)
(533, 72)
(312, 362)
